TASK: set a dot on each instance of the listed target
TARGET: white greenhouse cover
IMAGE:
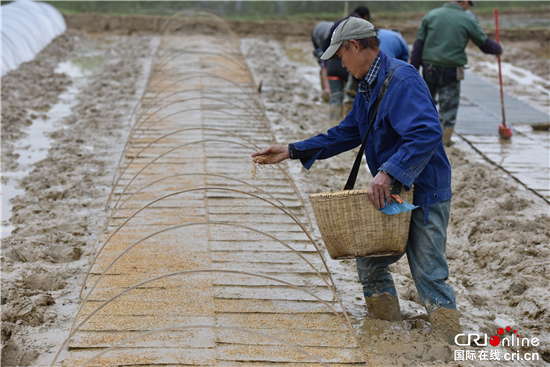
(27, 27)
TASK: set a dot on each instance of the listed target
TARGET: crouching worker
(318, 36)
(403, 144)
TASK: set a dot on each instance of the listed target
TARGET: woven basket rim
(342, 193)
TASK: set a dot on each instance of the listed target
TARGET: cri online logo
(495, 340)
(513, 340)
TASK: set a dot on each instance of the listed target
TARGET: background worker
(440, 47)
(393, 44)
(404, 146)
(337, 74)
(318, 36)
(343, 86)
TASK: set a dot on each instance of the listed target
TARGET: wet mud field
(82, 90)
(85, 88)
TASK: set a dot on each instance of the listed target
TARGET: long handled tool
(504, 131)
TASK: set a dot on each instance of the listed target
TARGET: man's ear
(356, 46)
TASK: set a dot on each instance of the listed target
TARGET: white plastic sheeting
(27, 27)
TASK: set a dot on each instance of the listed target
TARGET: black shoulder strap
(353, 174)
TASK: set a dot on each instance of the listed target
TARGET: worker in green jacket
(440, 47)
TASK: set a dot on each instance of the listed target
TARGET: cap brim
(472, 3)
(331, 51)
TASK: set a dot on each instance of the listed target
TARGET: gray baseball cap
(351, 28)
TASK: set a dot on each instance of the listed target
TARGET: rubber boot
(447, 133)
(446, 324)
(324, 95)
(351, 87)
(348, 105)
(335, 112)
(383, 307)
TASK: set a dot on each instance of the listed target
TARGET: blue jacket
(405, 140)
(393, 44)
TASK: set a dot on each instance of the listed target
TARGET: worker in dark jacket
(318, 36)
(404, 146)
(343, 86)
(338, 75)
(440, 47)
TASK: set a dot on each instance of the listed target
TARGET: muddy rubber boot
(446, 324)
(347, 108)
(348, 105)
(351, 87)
(335, 112)
(447, 133)
(384, 307)
(324, 95)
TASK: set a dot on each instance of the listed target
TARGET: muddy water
(498, 242)
(34, 147)
(35, 143)
(65, 118)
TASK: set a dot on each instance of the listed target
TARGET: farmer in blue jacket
(404, 145)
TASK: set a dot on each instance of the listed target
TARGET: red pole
(503, 130)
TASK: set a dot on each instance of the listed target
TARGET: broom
(504, 131)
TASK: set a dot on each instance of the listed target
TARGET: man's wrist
(301, 154)
(386, 173)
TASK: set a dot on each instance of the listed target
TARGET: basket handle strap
(353, 174)
(396, 188)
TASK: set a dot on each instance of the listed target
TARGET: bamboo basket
(352, 227)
